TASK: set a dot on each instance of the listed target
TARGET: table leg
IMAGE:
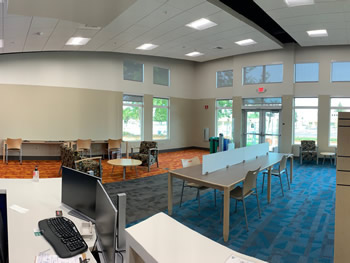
(170, 194)
(226, 225)
(269, 185)
(291, 169)
(124, 171)
(3, 152)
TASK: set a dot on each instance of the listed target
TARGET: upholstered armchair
(148, 153)
(72, 159)
(90, 164)
(308, 151)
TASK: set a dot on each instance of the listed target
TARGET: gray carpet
(148, 196)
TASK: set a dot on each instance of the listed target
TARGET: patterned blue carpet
(298, 227)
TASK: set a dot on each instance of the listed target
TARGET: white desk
(160, 238)
(42, 199)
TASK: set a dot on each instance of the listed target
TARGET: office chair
(114, 146)
(187, 163)
(240, 193)
(13, 145)
(281, 170)
(84, 146)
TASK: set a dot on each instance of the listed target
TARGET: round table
(330, 155)
(124, 163)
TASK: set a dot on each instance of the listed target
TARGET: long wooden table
(226, 179)
(46, 142)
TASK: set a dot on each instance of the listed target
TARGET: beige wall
(41, 89)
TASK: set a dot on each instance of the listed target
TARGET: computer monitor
(79, 193)
(106, 224)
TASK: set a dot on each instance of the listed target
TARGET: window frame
(310, 81)
(330, 113)
(168, 122)
(217, 108)
(263, 77)
(168, 76)
(216, 75)
(141, 105)
(304, 107)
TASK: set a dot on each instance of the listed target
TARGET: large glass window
(224, 118)
(337, 105)
(161, 76)
(306, 72)
(224, 78)
(305, 119)
(263, 74)
(133, 71)
(160, 119)
(132, 118)
(340, 71)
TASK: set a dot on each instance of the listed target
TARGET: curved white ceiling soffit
(47, 25)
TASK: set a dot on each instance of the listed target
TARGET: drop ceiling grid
(329, 15)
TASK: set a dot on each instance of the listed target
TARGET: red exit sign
(261, 90)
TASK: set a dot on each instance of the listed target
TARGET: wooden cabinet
(342, 203)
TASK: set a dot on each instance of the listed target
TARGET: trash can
(214, 144)
(226, 142)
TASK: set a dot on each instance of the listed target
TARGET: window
(224, 78)
(160, 119)
(224, 118)
(262, 102)
(340, 71)
(305, 119)
(263, 74)
(306, 72)
(337, 105)
(133, 71)
(132, 118)
(161, 76)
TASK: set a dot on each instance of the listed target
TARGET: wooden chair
(282, 169)
(84, 146)
(13, 145)
(114, 146)
(249, 188)
(187, 163)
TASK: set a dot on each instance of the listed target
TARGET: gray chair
(187, 163)
(249, 188)
(282, 169)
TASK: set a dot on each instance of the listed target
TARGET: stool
(330, 155)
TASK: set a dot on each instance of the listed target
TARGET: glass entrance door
(262, 126)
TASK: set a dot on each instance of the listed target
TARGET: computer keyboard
(63, 236)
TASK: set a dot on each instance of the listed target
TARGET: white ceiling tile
(160, 15)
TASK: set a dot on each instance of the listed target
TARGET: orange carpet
(49, 169)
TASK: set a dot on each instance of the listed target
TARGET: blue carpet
(298, 227)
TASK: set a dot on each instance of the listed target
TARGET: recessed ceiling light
(317, 33)
(147, 47)
(246, 42)
(194, 54)
(201, 24)
(77, 41)
(1, 43)
(292, 3)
